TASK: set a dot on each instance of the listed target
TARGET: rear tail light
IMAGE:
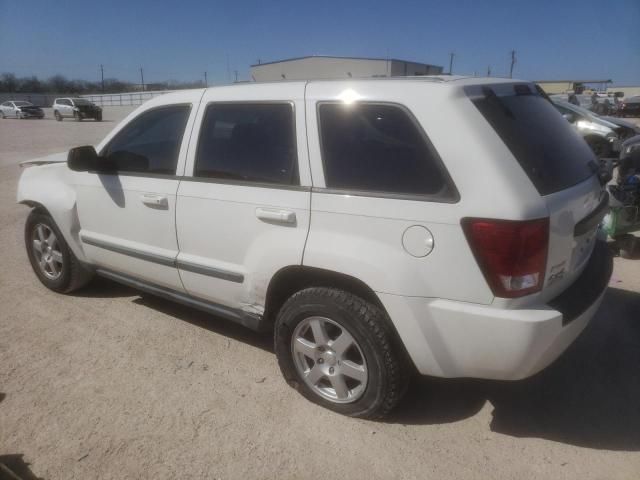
(511, 254)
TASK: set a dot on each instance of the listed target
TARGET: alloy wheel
(46, 251)
(329, 360)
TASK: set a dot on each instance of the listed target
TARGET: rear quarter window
(381, 149)
(551, 153)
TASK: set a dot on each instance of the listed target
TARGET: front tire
(340, 352)
(57, 115)
(52, 260)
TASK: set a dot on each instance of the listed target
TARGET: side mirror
(82, 159)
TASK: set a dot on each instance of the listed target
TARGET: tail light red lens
(511, 254)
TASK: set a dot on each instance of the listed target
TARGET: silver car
(20, 109)
(600, 134)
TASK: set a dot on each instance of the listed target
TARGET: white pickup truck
(447, 226)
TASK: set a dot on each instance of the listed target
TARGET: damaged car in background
(76, 108)
(20, 109)
(603, 135)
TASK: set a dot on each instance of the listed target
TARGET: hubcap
(329, 360)
(47, 251)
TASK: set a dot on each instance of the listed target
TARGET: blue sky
(180, 40)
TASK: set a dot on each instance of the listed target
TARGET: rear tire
(365, 379)
(52, 260)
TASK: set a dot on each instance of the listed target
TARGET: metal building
(316, 67)
(552, 87)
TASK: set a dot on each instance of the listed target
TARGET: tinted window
(150, 142)
(552, 154)
(378, 148)
(249, 142)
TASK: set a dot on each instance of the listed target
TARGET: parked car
(624, 128)
(629, 107)
(76, 108)
(600, 135)
(20, 109)
(448, 226)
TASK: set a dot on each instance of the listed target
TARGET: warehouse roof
(334, 56)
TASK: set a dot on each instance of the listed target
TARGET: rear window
(542, 141)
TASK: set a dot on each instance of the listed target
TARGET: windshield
(22, 104)
(551, 153)
(81, 101)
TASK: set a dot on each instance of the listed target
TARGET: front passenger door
(127, 218)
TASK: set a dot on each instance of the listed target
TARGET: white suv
(76, 108)
(447, 226)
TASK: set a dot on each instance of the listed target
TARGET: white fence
(123, 99)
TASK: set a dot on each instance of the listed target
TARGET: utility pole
(142, 78)
(102, 76)
(489, 71)
(236, 74)
(513, 62)
(228, 70)
(451, 55)
(206, 84)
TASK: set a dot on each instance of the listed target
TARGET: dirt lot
(109, 383)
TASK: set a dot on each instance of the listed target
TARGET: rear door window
(248, 142)
(550, 152)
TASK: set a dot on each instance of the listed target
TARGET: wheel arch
(46, 189)
(295, 278)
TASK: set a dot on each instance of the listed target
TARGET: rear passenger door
(243, 205)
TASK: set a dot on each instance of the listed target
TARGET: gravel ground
(109, 383)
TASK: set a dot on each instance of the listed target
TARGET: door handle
(153, 200)
(276, 215)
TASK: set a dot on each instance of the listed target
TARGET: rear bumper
(454, 339)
